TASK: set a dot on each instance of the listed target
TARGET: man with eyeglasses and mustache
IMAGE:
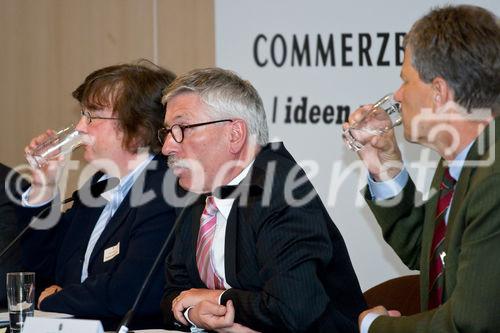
(94, 260)
(266, 256)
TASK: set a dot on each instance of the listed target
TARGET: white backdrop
(310, 61)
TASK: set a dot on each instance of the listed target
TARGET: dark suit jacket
(288, 265)
(57, 255)
(11, 262)
(472, 270)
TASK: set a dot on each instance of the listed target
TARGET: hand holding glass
(20, 298)
(61, 143)
(378, 120)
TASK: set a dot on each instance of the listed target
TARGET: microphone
(222, 192)
(123, 327)
(96, 190)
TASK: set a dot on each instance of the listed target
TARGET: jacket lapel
(230, 247)
(119, 216)
(114, 223)
(239, 215)
(82, 224)
(479, 152)
(428, 234)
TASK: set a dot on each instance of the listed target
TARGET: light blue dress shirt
(391, 188)
(114, 197)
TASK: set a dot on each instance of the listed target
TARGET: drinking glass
(20, 298)
(380, 118)
(62, 142)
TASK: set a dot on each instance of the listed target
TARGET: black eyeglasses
(177, 131)
(89, 116)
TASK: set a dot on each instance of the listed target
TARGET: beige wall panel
(49, 46)
(186, 34)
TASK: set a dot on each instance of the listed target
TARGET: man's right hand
(219, 318)
(381, 154)
(44, 180)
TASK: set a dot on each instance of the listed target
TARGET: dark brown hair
(461, 44)
(134, 93)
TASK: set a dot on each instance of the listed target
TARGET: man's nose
(170, 146)
(81, 126)
(398, 94)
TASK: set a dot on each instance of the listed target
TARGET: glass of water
(380, 118)
(62, 142)
(20, 298)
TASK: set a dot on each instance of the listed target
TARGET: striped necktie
(204, 262)
(436, 271)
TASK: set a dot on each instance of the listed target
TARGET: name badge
(111, 252)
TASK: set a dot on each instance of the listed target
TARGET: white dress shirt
(219, 241)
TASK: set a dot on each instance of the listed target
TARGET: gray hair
(461, 44)
(227, 95)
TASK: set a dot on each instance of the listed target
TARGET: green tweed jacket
(472, 264)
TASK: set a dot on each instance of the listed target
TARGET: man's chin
(87, 156)
(177, 171)
(183, 176)
(187, 184)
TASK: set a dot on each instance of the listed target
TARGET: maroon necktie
(436, 271)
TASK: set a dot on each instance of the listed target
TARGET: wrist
(194, 327)
(38, 194)
(186, 316)
(367, 321)
(387, 170)
(217, 296)
(386, 175)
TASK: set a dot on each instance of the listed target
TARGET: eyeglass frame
(89, 116)
(164, 131)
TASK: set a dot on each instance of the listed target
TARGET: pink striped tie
(204, 262)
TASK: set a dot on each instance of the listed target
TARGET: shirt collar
(127, 181)
(224, 205)
(457, 164)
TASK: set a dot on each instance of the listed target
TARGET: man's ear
(442, 91)
(237, 136)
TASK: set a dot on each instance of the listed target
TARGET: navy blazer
(138, 231)
(288, 265)
(11, 262)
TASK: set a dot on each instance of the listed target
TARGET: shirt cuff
(367, 322)
(389, 188)
(193, 327)
(220, 296)
(25, 203)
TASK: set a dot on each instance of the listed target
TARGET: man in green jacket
(449, 102)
